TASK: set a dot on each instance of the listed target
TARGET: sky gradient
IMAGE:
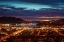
(33, 10)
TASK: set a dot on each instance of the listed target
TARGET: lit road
(36, 32)
(15, 33)
(57, 30)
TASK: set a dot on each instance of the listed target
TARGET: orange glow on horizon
(45, 20)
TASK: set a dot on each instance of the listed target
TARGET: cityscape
(31, 31)
(31, 20)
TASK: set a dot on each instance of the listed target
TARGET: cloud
(8, 10)
(52, 9)
(47, 2)
(21, 12)
(27, 5)
(43, 1)
(33, 14)
(10, 7)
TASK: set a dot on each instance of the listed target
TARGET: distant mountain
(10, 20)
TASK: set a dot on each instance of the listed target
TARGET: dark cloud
(8, 10)
(10, 7)
(16, 8)
(43, 1)
(39, 1)
(33, 13)
(30, 14)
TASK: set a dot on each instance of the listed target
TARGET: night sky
(33, 10)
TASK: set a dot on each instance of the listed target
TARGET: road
(36, 31)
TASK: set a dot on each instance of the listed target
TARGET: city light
(45, 20)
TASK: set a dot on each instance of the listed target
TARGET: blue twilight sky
(26, 5)
(34, 10)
